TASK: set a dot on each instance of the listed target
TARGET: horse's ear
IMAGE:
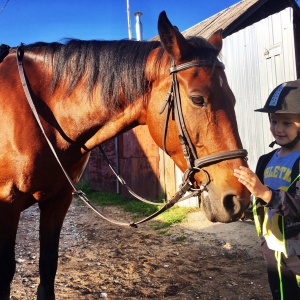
(170, 37)
(216, 39)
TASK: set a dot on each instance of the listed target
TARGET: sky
(28, 21)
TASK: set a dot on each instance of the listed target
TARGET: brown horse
(86, 92)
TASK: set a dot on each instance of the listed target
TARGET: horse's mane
(202, 49)
(118, 65)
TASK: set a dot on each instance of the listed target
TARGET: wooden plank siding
(137, 160)
(139, 163)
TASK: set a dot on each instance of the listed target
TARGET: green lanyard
(259, 232)
(278, 254)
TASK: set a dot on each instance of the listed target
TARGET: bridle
(194, 164)
(173, 103)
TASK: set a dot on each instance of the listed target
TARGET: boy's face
(284, 127)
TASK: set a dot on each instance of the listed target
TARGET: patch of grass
(173, 215)
(137, 208)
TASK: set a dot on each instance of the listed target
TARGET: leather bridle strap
(196, 63)
(188, 148)
(173, 101)
(169, 104)
(218, 157)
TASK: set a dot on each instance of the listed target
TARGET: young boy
(276, 188)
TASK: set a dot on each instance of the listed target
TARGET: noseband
(173, 103)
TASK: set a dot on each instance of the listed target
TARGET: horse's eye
(198, 100)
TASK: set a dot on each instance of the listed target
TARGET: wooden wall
(145, 168)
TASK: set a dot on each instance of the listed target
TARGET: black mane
(118, 65)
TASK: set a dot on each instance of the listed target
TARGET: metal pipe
(128, 21)
(138, 26)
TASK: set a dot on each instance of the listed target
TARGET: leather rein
(195, 164)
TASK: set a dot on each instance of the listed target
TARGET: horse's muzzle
(229, 209)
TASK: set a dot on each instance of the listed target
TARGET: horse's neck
(78, 115)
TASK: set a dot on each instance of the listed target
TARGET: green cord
(256, 218)
(277, 253)
(278, 259)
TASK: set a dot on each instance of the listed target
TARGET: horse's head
(207, 124)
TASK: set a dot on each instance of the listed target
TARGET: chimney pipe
(138, 26)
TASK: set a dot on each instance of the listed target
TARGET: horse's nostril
(228, 202)
(231, 204)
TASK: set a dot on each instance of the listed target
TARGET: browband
(197, 63)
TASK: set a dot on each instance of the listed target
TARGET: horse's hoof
(41, 294)
(5, 294)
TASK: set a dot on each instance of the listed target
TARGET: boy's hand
(250, 180)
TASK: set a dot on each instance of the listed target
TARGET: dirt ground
(194, 260)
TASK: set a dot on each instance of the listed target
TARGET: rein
(195, 164)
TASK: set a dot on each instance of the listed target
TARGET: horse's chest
(39, 178)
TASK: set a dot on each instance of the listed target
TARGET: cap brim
(265, 110)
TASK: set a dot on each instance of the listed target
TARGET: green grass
(172, 216)
(139, 209)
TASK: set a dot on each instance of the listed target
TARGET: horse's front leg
(9, 219)
(53, 212)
